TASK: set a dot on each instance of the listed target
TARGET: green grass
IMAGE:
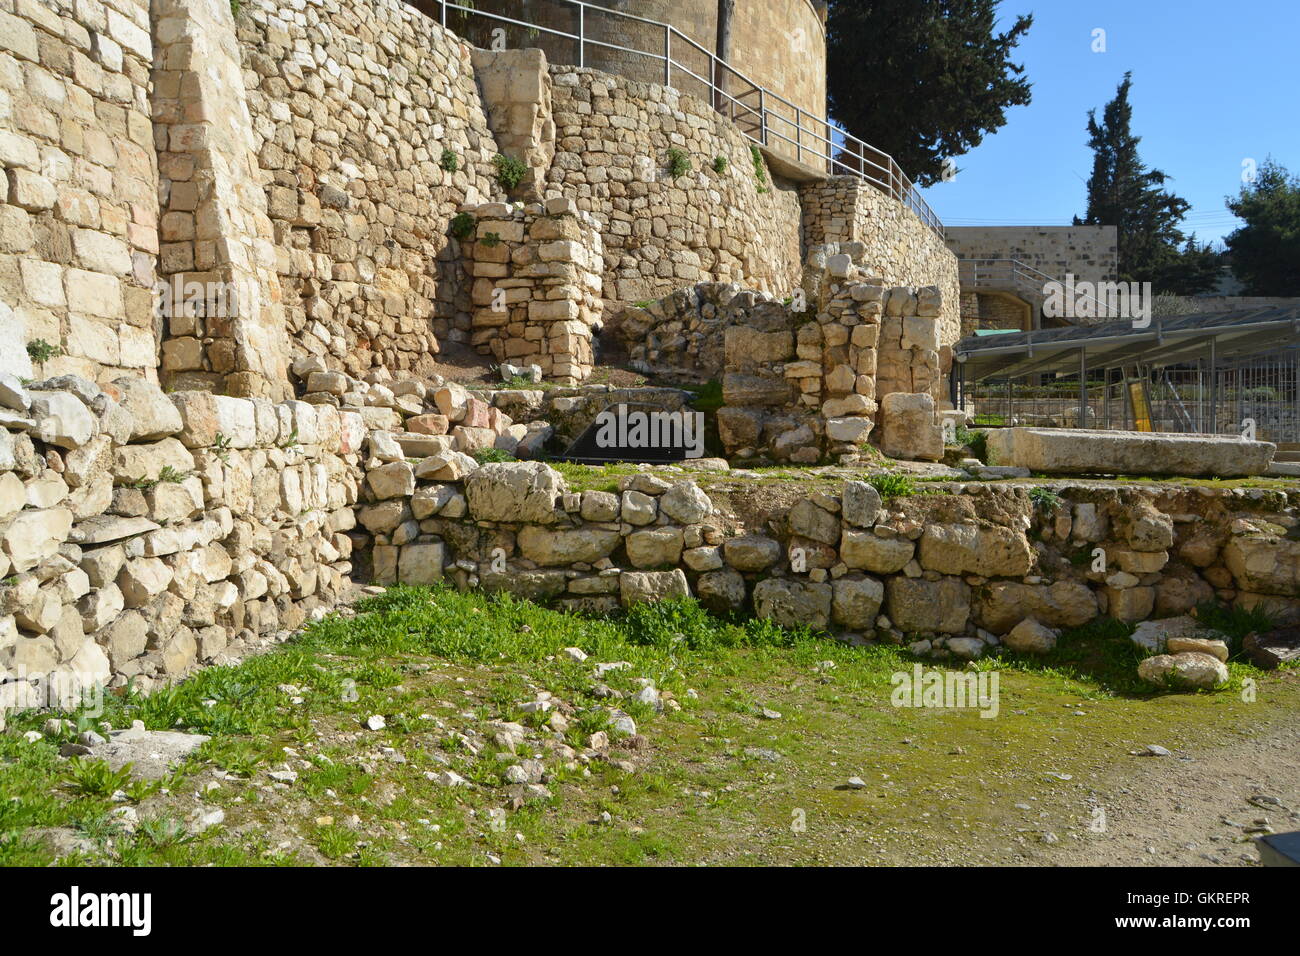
(439, 664)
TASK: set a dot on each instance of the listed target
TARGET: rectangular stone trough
(1085, 451)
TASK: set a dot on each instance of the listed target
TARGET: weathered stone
(557, 547)
(751, 553)
(918, 605)
(989, 551)
(860, 504)
(421, 563)
(515, 492)
(1063, 604)
(33, 536)
(721, 591)
(393, 480)
(809, 521)
(685, 503)
(856, 602)
(654, 547)
(637, 587)
(1030, 637)
(153, 415)
(793, 603)
(909, 430)
(1083, 451)
(1185, 670)
(870, 552)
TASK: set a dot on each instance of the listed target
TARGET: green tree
(1193, 270)
(1265, 252)
(1124, 193)
(923, 80)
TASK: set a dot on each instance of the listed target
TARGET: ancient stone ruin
(235, 249)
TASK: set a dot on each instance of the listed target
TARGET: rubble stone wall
(664, 232)
(79, 188)
(802, 379)
(537, 286)
(230, 335)
(370, 133)
(899, 247)
(969, 560)
(146, 533)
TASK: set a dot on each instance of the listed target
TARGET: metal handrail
(989, 273)
(843, 153)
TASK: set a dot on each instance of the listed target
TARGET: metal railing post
(762, 115)
(582, 35)
(444, 14)
(668, 55)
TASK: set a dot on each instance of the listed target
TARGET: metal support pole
(1214, 392)
(668, 56)
(1083, 388)
(582, 36)
(444, 14)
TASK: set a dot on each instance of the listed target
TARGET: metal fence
(766, 118)
(1259, 393)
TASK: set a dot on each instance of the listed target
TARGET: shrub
(679, 164)
(719, 164)
(39, 350)
(449, 161)
(892, 486)
(510, 171)
(760, 170)
(485, 455)
(462, 226)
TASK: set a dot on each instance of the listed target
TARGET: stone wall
(900, 249)
(661, 233)
(801, 378)
(216, 237)
(354, 104)
(537, 285)
(1087, 252)
(779, 44)
(144, 533)
(79, 198)
(967, 561)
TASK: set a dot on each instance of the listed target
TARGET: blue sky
(1214, 83)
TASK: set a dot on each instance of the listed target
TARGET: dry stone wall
(229, 334)
(953, 573)
(537, 285)
(899, 248)
(370, 133)
(663, 232)
(802, 379)
(79, 196)
(145, 533)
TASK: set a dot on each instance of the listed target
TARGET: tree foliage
(1124, 193)
(923, 80)
(1265, 252)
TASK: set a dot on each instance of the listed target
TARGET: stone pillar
(225, 321)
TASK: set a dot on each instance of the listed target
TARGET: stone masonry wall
(79, 195)
(899, 248)
(661, 232)
(354, 104)
(537, 286)
(952, 572)
(801, 378)
(216, 236)
(144, 533)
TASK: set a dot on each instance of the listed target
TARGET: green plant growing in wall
(760, 170)
(449, 161)
(719, 164)
(510, 171)
(235, 7)
(39, 350)
(462, 226)
(679, 164)
(491, 240)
